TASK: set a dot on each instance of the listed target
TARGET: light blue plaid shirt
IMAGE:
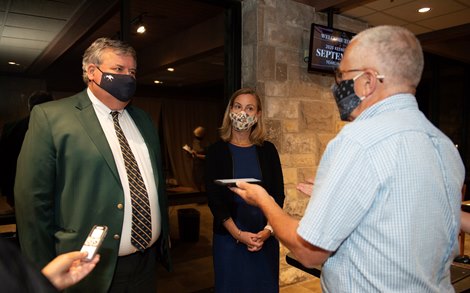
(386, 201)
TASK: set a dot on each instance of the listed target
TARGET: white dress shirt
(140, 151)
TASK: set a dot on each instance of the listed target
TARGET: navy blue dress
(237, 269)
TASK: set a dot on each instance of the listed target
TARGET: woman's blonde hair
(258, 133)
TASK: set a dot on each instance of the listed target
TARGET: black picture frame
(326, 48)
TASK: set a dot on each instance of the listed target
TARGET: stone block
(283, 36)
(269, 3)
(291, 275)
(317, 116)
(275, 89)
(281, 72)
(323, 80)
(282, 108)
(288, 56)
(290, 175)
(325, 140)
(270, 14)
(290, 125)
(250, 20)
(291, 13)
(248, 75)
(299, 160)
(306, 173)
(248, 55)
(260, 24)
(300, 143)
(266, 63)
(305, 89)
(274, 132)
(260, 89)
(295, 205)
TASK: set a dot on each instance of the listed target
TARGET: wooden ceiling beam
(322, 5)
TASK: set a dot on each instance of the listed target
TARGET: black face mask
(120, 86)
(345, 98)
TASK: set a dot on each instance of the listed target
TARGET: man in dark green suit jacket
(71, 176)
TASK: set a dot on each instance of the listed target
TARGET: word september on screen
(326, 47)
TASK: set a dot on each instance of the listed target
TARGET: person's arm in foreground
(68, 269)
(284, 226)
(465, 222)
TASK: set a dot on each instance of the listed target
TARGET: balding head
(394, 51)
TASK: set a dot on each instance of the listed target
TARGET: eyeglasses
(339, 75)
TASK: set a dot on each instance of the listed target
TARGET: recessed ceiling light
(424, 9)
(171, 69)
(141, 29)
(158, 82)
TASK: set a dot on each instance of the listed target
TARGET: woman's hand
(250, 240)
(263, 235)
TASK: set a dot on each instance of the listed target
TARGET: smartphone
(94, 240)
(232, 182)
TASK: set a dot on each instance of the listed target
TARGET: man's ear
(90, 71)
(370, 83)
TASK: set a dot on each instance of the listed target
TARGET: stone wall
(298, 107)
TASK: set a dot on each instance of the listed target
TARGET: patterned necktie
(141, 233)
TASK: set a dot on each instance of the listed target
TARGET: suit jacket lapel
(87, 117)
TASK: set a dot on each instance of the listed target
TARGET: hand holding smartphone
(94, 240)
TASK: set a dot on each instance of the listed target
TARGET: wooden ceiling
(185, 34)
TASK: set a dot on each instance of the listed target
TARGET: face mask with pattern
(346, 98)
(242, 121)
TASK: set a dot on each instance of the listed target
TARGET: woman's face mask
(242, 121)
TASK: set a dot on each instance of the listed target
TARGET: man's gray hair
(94, 52)
(396, 51)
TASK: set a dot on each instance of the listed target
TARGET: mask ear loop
(380, 77)
(354, 80)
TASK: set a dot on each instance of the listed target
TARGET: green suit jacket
(67, 181)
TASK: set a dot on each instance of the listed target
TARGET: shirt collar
(99, 106)
(392, 103)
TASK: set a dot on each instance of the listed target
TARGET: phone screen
(97, 233)
(94, 241)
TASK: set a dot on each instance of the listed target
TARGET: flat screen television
(326, 47)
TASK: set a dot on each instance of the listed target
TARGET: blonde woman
(246, 255)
